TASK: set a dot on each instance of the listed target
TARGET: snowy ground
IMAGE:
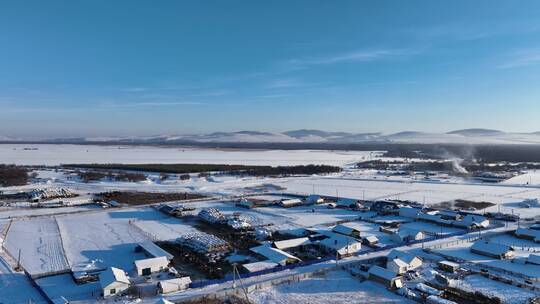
(507, 196)
(334, 287)
(104, 238)
(507, 293)
(48, 154)
(64, 286)
(39, 243)
(16, 288)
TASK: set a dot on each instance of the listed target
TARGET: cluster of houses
(445, 218)
(115, 281)
(397, 263)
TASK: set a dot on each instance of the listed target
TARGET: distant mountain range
(465, 136)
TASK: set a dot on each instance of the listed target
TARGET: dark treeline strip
(198, 168)
(11, 175)
(140, 198)
(93, 175)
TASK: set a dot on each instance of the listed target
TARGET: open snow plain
(46, 154)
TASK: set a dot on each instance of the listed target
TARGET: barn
(148, 266)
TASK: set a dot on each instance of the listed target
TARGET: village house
(348, 229)
(342, 245)
(401, 262)
(385, 277)
(533, 259)
(113, 282)
(494, 250)
(529, 234)
(448, 266)
(472, 221)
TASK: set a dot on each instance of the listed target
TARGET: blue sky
(85, 68)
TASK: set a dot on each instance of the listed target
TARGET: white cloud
(522, 58)
(350, 57)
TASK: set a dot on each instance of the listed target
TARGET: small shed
(494, 250)
(173, 285)
(113, 281)
(370, 240)
(148, 266)
(385, 277)
(448, 266)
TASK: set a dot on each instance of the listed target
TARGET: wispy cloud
(350, 57)
(152, 104)
(522, 58)
(287, 83)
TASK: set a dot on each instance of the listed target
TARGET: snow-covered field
(47, 154)
(39, 243)
(334, 287)
(507, 196)
(104, 238)
(508, 294)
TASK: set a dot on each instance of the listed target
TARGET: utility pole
(235, 273)
(19, 261)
